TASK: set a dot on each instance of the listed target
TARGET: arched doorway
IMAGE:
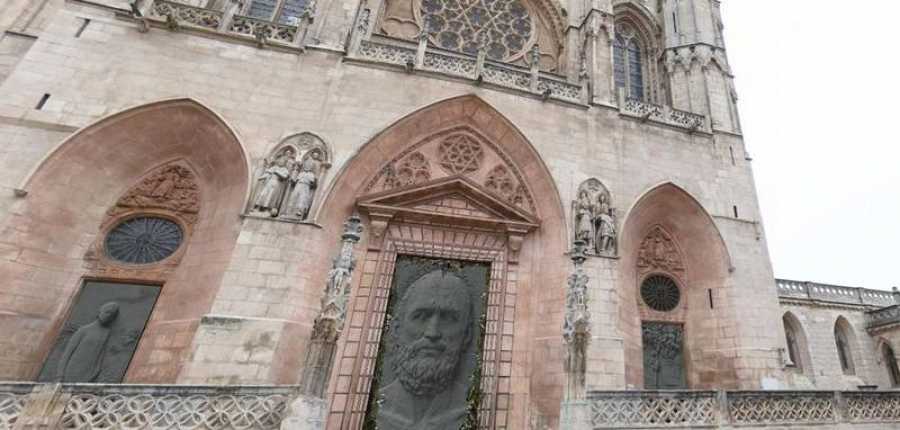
(455, 182)
(116, 170)
(672, 293)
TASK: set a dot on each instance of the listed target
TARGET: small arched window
(842, 342)
(282, 11)
(890, 360)
(628, 62)
(793, 342)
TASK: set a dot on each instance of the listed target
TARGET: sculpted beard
(424, 376)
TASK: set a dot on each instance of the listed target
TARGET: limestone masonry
(401, 214)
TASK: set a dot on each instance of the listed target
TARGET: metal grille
(144, 240)
(660, 293)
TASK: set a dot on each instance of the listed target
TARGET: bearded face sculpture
(432, 328)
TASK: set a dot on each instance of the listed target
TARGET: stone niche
(100, 334)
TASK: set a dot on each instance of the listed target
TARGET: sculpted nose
(432, 329)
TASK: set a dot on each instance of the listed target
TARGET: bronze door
(663, 356)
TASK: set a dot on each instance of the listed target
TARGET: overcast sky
(820, 106)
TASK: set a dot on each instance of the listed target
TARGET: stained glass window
(505, 27)
(144, 240)
(628, 62)
(278, 10)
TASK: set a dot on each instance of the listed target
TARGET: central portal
(428, 372)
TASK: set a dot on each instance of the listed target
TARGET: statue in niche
(595, 221)
(273, 184)
(82, 360)
(606, 231)
(305, 179)
(431, 330)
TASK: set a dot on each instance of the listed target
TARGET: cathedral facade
(396, 214)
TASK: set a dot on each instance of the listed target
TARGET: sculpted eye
(450, 316)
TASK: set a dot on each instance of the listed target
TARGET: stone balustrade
(833, 293)
(661, 114)
(178, 407)
(176, 15)
(732, 409)
(423, 57)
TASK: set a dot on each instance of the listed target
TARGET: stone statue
(305, 178)
(432, 328)
(584, 218)
(82, 359)
(606, 230)
(272, 186)
(595, 222)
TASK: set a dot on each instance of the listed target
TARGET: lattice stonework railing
(13, 398)
(181, 408)
(764, 407)
(867, 407)
(661, 114)
(175, 14)
(653, 409)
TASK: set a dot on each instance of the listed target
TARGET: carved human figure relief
(83, 355)
(595, 219)
(272, 184)
(287, 181)
(100, 334)
(305, 179)
(659, 252)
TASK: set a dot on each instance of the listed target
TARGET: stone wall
(242, 307)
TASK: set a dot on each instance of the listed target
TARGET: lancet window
(890, 360)
(281, 11)
(841, 340)
(792, 338)
(628, 61)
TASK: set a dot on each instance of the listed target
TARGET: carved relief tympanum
(100, 334)
(659, 252)
(432, 347)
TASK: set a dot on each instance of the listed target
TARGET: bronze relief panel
(428, 369)
(101, 333)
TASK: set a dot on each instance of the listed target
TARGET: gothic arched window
(842, 342)
(504, 27)
(793, 338)
(281, 11)
(890, 360)
(628, 62)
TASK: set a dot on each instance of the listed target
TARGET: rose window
(503, 26)
(460, 154)
(660, 293)
(144, 240)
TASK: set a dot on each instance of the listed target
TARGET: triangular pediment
(453, 199)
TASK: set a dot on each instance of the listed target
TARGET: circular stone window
(660, 293)
(144, 240)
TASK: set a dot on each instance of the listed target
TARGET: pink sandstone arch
(542, 265)
(706, 269)
(68, 196)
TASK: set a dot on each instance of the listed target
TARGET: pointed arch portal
(455, 181)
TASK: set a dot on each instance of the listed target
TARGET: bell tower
(698, 75)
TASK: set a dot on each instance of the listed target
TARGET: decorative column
(330, 322)
(577, 325)
(308, 409)
(596, 54)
